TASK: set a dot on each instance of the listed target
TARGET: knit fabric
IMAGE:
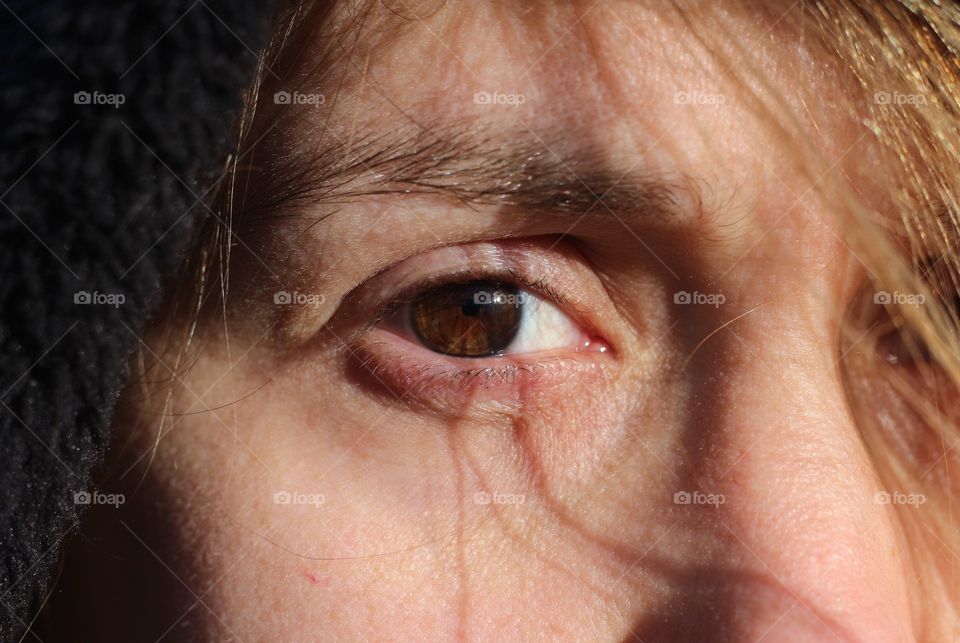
(116, 115)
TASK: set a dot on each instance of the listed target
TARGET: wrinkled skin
(582, 454)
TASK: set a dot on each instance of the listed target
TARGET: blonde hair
(909, 49)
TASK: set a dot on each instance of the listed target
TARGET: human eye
(491, 316)
(479, 318)
(900, 340)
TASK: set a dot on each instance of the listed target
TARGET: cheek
(305, 526)
(348, 513)
(576, 450)
(343, 506)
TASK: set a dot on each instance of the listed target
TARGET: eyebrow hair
(468, 164)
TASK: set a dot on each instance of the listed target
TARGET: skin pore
(326, 476)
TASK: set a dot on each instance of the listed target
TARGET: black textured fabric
(96, 197)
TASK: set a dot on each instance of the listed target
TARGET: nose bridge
(777, 470)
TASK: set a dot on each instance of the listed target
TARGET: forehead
(667, 88)
(623, 75)
(556, 60)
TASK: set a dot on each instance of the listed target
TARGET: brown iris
(475, 319)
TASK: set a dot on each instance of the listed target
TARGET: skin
(585, 541)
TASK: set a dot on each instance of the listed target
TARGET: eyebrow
(468, 164)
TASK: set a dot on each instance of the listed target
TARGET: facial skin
(537, 502)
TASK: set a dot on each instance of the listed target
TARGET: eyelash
(466, 378)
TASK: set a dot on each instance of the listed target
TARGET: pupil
(475, 319)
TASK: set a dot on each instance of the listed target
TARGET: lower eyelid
(420, 377)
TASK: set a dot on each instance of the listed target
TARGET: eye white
(543, 327)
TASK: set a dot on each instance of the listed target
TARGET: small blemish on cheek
(321, 581)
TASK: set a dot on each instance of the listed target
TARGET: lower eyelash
(439, 384)
(427, 374)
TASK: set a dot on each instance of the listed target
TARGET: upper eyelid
(509, 275)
